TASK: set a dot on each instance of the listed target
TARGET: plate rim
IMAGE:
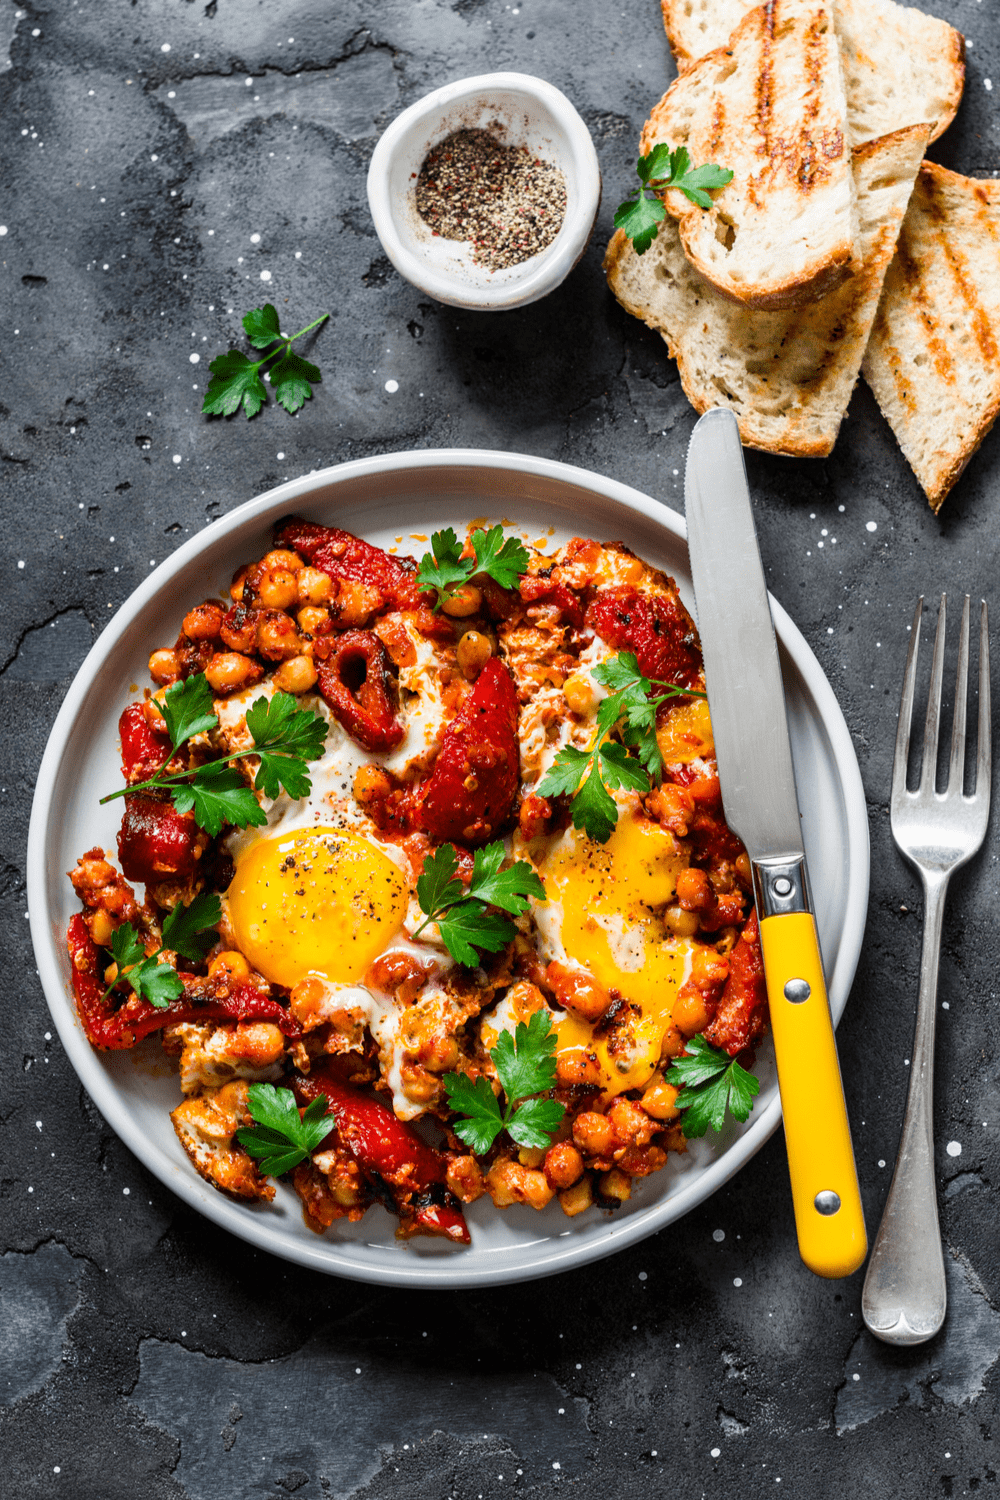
(449, 1273)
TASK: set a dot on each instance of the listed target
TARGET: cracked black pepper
(502, 199)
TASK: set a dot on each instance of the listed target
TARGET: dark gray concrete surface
(144, 1355)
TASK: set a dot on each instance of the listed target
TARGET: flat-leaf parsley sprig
(526, 1066)
(284, 737)
(236, 379)
(587, 775)
(709, 1081)
(643, 212)
(461, 911)
(281, 1137)
(188, 930)
(443, 570)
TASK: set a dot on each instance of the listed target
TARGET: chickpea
(111, 974)
(464, 601)
(474, 651)
(101, 928)
(681, 923)
(508, 1182)
(151, 711)
(694, 893)
(228, 670)
(464, 1178)
(164, 667)
(371, 784)
(743, 869)
(259, 1043)
(93, 875)
(236, 587)
(355, 603)
(277, 638)
(691, 1014)
(282, 557)
(563, 1165)
(673, 1043)
(204, 622)
(658, 1100)
(439, 1054)
(578, 1198)
(314, 586)
(593, 1134)
(278, 589)
(630, 1123)
(708, 969)
(311, 617)
(531, 1156)
(579, 692)
(239, 630)
(230, 966)
(297, 675)
(577, 991)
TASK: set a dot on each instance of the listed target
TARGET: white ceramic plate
(383, 499)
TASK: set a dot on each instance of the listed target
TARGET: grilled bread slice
(933, 360)
(771, 107)
(900, 65)
(788, 376)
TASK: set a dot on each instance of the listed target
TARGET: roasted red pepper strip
(144, 750)
(536, 587)
(342, 555)
(357, 683)
(471, 791)
(386, 1148)
(156, 842)
(115, 1030)
(656, 627)
(739, 1021)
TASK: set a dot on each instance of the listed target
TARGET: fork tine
(983, 762)
(956, 767)
(928, 771)
(902, 754)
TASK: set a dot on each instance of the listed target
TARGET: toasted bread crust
(874, 35)
(933, 361)
(771, 107)
(788, 376)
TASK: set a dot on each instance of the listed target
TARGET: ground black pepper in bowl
(502, 199)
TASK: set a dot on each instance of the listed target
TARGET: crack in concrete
(41, 657)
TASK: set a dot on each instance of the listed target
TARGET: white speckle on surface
(249, 83)
(172, 94)
(881, 1162)
(177, 458)
(737, 1281)
(255, 239)
(643, 1276)
(20, 562)
(871, 526)
(855, 1376)
(716, 1452)
(557, 1466)
(38, 1124)
(281, 455)
(718, 1235)
(265, 275)
(298, 255)
(57, 1470)
(954, 1148)
(126, 1191)
(195, 359)
(392, 386)
(154, 157)
(3, 229)
(164, 46)
(988, 85)
(36, 32)
(357, 1370)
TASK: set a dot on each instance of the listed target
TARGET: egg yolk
(686, 733)
(607, 899)
(319, 901)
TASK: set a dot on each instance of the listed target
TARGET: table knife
(747, 705)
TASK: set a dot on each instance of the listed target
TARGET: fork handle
(904, 1297)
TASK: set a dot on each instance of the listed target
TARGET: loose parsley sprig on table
(586, 775)
(643, 212)
(444, 570)
(460, 911)
(709, 1081)
(284, 737)
(236, 379)
(188, 930)
(282, 1137)
(526, 1066)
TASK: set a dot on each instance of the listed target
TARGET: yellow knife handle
(828, 1214)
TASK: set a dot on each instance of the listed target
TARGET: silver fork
(904, 1298)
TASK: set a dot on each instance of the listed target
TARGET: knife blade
(747, 705)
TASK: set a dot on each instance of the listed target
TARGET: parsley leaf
(461, 914)
(443, 569)
(236, 380)
(630, 707)
(526, 1065)
(281, 1138)
(284, 735)
(642, 213)
(710, 1081)
(187, 709)
(188, 930)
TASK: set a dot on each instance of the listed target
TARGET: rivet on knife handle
(828, 1214)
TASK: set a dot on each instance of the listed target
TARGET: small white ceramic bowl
(521, 111)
